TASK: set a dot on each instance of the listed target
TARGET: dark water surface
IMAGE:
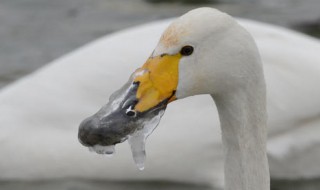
(313, 184)
(35, 32)
(77, 184)
(97, 185)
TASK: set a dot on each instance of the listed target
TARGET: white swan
(202, 52)
(39, 115)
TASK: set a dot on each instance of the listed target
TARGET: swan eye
(186, 50)
(131, 113)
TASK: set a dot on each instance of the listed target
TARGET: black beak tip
(91, 133)
(84, 132)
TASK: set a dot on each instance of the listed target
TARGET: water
(34, 32)
(74, 184)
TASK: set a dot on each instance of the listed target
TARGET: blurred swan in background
(40, 113)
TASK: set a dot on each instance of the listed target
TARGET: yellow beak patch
(158, 80)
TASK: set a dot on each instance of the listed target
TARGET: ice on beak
(114, 124)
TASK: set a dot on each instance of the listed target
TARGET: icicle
(108, 150)
(137, 144)
(138, 139)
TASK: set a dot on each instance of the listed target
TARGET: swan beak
(144, 97)
(157, 81)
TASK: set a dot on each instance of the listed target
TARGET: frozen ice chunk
(138, 139)
(109, 150)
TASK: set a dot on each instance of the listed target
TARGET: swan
(40, 113)
(202, 52)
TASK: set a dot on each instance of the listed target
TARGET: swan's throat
(243, 124)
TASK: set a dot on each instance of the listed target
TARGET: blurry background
(35, 32)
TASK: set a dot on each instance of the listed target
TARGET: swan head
(203, 52)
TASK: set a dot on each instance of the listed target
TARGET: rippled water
(34, 32)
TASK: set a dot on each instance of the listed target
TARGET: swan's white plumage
(39, 114)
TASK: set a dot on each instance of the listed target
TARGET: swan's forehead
(177, 35)
(173, 36)
(192, 29)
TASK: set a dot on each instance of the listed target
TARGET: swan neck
(243, 124)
